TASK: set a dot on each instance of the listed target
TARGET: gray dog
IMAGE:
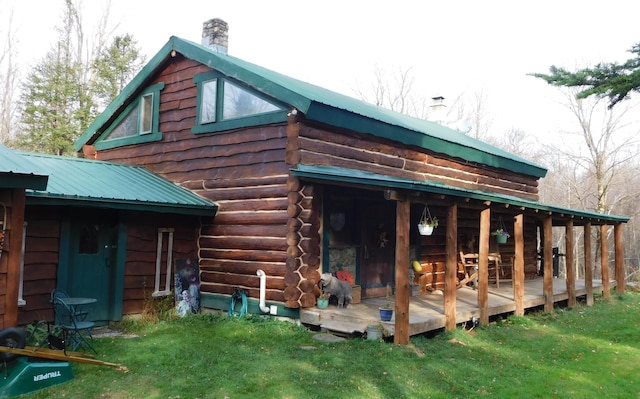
(339, 288)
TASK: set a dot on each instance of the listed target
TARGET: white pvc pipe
(263, 289)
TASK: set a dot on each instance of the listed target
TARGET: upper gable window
(223, 104)
(138, 123)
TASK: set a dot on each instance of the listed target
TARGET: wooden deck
(426, 309)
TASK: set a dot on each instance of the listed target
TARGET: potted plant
(501, 235)
(323, 300)
(386, 311)
(427, 223)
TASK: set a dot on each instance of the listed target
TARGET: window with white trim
(21, 301)
(164, 276)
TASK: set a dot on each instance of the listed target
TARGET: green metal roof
(321, 105)
(83, 182)
(18, 172)
(358, 177)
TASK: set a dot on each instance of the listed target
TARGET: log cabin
(311, 181)
(303, 180)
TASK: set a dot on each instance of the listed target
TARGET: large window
(223, 104)
(138, 123)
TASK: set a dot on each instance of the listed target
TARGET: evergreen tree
(62, 94)
(51, 98)
(612, 80)
(116, 66)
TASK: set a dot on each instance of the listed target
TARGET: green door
(92, 266)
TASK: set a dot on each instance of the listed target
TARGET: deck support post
(518, 265)
(450, 271)
(588, 264)
(570, 266)
(604, 261)
(619, 265)
(547, 281)
(483, 265)
(403, 210)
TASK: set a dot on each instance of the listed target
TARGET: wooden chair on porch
(469, 262)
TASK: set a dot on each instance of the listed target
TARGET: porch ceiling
(359, 178)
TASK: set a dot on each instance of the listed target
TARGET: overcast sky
(451, 46)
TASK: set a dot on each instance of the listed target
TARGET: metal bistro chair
(77, 333)
(58, 293)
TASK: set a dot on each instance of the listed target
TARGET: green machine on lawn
(29, 369)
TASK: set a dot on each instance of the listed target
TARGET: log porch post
(401, 334)
(571, 267)
(483, 265)
(450, 270)
(588, 264)
(604, 261)
(14, 257)
(518, 266)
(547, 280)
(619, 248)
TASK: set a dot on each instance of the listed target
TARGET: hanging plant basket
(427, 223)
(425, 230)
(501, 233)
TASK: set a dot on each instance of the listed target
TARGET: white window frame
(167, 286)
(21, 301)
(146, 113)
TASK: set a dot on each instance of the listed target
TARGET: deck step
(343, 327)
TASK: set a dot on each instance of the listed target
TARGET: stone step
(343, 327)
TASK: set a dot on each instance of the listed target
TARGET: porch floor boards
(426, 309)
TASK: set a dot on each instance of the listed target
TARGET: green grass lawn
(585, 352)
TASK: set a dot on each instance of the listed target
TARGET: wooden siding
(142, 243)
(42, 257)
(261, 207)
(42, 248)
(322, 147)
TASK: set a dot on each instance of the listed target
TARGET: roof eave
(335, 174)
(349, 120)
(21, 180)
(34, 198)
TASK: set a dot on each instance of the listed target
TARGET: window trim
(21, 301)
(157, 292)
(220, 124)
(141, 137)
(143, 111)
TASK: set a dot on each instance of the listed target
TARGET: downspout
(263, 288)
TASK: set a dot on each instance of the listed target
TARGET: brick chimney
(215, 35)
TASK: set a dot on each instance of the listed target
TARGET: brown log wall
(323, 147)
(243, 171)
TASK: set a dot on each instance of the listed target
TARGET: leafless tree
(9, 77)
(594, 158)
(393, 91)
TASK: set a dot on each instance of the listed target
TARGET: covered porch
(426, 310)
